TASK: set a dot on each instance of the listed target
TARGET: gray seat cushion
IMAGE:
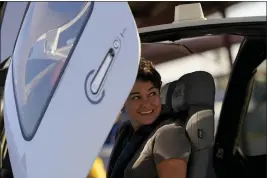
(191, 100)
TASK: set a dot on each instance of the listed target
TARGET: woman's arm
(172, 168)
(171, 152)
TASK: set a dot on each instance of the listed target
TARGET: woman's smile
(146, 113)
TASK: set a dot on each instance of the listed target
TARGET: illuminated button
(101, 73)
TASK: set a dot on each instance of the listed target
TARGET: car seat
(190, 99)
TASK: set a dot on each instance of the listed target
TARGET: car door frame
(234, 109)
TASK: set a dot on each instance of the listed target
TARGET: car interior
(237, 145)
(232, 151)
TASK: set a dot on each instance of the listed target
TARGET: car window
(216, 61)
(253, 139)
(45, 41)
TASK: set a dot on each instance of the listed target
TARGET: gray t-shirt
(167, 142)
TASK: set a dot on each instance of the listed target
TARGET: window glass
(253, 139)
(45, 40)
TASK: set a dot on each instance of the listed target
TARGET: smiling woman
(149, 145)
(143, 104)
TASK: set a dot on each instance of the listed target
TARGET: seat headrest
(192, 89)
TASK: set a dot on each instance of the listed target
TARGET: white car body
(57, 137)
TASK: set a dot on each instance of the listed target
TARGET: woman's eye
(152, 94)
(135, 97)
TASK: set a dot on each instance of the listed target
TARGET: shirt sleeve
(171, 142)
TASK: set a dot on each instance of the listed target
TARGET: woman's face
(143, 104)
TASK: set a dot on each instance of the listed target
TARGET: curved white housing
(55, 125)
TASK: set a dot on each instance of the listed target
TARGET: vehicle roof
(196, 23)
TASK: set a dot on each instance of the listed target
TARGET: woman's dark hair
(148, 73)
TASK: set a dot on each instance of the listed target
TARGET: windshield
(45, 41)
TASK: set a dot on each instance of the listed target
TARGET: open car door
(72, 68)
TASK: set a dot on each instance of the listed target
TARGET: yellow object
(97, 169)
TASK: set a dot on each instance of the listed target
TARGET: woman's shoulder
(169, 126)
(171, 131)
(171, 142)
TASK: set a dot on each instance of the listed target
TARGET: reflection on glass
(253, 140)
(47, 35)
